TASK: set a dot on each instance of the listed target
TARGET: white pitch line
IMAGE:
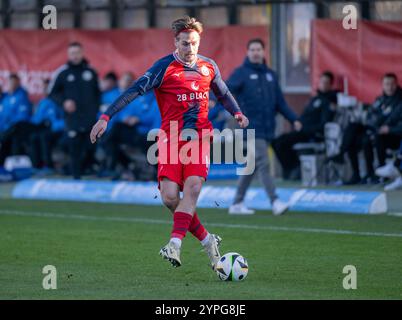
(221, 225)
(395, 214)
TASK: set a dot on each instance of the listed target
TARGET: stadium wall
(35, 54)
(362, 55)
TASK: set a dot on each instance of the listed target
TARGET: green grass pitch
(106, 251)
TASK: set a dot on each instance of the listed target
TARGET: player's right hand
(242, 120)
(98, 129)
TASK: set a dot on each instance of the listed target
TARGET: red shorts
(178, 161)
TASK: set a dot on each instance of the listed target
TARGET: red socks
(181, 224)
(197, 229)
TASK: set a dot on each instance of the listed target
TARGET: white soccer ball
(232, 267)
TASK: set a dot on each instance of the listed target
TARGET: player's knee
(170, 200)
(194, 188)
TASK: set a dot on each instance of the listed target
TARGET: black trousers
(121, 134)
(357, 137)
(283, 146)
(15, 140)
(42, 143)
(80, 150)
(384, 142)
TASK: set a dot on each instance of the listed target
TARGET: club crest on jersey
(204, 70)
(87, 75)
(194, 86)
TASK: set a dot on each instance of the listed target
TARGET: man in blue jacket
(47, 130)
(257, 90)
(15, 114)
(131, 125)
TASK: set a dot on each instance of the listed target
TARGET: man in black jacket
(75, 87)
(379, 130)
(315, 115)
(389, 122)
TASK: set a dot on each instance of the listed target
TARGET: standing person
(181, 82)
(257, 89)
(75, 87)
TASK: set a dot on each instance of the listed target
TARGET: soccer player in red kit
(181, 82)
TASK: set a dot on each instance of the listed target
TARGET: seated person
(15, 116)
(389, 119)
(373, 132)
(392, 170)
(131, 126)
(47, 130)
(1, 94)
(111, 91)
(315, 115)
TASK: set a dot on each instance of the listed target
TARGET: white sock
(205, 241)
(176, 242)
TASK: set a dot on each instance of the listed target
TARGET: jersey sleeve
(148, 81)
(223, 94)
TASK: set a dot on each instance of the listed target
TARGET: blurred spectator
(392, 170)
(257, 90)
(48, 127)
(379, 129)
(109, 85)
(314, 117)
(388, 109)
(131, 125)
(1, 94)
(15, 114)
(75, 87)
(111, 91)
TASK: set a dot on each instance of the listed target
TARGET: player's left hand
(98, 129)
(241, 120)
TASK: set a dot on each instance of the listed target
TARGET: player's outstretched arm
(151, 79)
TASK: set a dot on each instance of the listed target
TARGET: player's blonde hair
(186, 23)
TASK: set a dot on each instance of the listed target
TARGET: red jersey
(182, 92)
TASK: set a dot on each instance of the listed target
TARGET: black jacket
(318, 112)
(257, 91)
(78, 83)
(382, 109)
(394, 121)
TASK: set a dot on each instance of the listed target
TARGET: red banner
(362, 55)
(36, 54)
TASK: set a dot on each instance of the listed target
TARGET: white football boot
(279, 207)
(240, 208)
(387, 171)
(212, 249)
(395, 185)
(171, 252)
